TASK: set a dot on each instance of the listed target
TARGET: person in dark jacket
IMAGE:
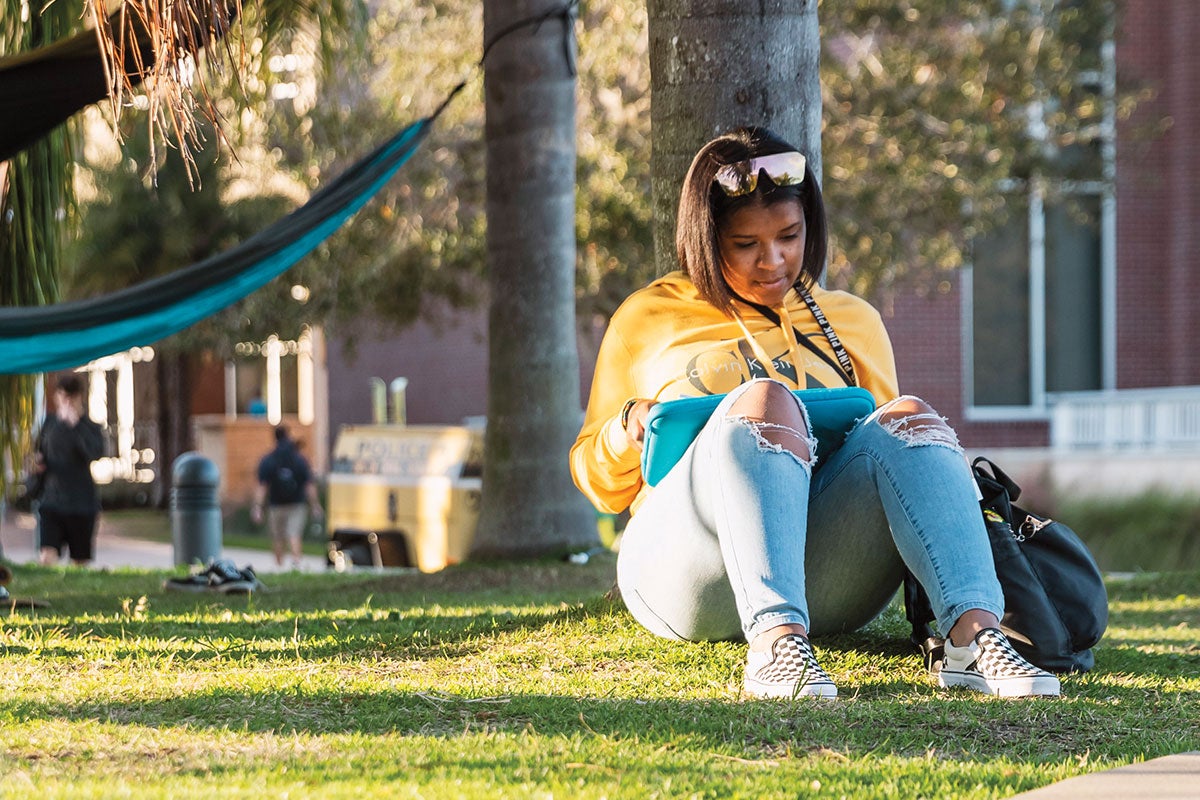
(285, 482)
(68, 507)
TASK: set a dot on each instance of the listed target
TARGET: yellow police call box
(404, 495)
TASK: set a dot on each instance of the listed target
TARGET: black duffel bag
(1055, 603)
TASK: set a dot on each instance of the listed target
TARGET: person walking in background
(68, 504)
(285, 484)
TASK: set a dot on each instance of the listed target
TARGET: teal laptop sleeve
(672, 425)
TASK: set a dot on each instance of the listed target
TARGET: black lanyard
(842, 356)
(843, 366)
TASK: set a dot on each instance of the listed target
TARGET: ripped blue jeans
(743, 535)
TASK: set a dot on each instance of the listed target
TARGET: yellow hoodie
(665, 342)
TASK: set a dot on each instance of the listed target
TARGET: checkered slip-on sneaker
(789, 670)
(991, 665)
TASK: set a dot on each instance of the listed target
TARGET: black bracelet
(629, 404)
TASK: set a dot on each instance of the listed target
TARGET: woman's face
(762, 250)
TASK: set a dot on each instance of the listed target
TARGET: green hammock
(45, 338)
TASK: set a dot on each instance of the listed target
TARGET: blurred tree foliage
(423, 236)
(613, 197)
(419, 247)
(932, 108)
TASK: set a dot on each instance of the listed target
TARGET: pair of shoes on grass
(989, 664)
(221, 576)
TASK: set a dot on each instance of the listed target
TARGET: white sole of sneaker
(768, 691)
(235, 587)
(1039, 686)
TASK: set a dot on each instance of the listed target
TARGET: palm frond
(190, 41)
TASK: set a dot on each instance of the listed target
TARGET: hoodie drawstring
(767, 362)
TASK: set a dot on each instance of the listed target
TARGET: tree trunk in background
(174, 414)
(720, 64)
(530, 505)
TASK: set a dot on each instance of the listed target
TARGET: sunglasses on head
(784, 169)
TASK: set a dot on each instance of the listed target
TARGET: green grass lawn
(523, 681)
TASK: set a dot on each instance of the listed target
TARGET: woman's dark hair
(704, 206)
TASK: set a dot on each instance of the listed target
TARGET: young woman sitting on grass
(754, 532)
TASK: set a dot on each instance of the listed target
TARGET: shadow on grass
(75, 591)
(379, 628)
(401, 634)
(1153, 585)
(956, 725)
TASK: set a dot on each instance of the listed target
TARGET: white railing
(1127, 419)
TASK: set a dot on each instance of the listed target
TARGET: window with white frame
(1039, 297)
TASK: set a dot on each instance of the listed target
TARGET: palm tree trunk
(36, 202)
(718, 66)
(530, 505)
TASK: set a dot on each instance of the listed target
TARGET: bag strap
(843, 367)
(996, 476)
(919, 612)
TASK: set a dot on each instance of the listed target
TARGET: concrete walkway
(17, 545)
(1174, 777)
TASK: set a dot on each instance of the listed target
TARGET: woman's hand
(635, 426)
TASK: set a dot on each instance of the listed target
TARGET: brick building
(1128, 309)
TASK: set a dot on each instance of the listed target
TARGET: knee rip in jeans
(914, 422)
(772, 437)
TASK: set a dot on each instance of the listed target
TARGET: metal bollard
(399, 404)
(195, 511)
